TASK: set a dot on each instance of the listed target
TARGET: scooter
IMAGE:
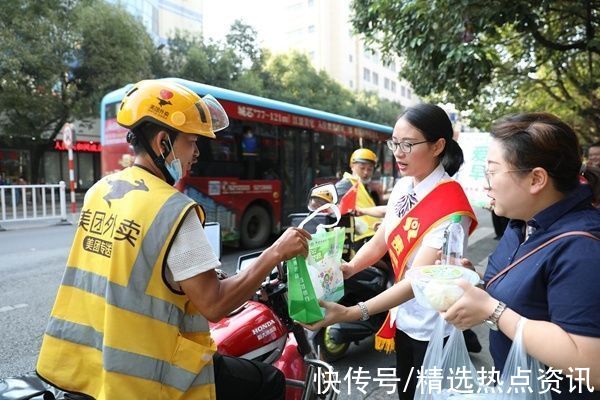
(333, 341)
(262, 330)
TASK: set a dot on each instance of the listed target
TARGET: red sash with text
(446, 199)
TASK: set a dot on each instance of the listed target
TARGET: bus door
(297, 170)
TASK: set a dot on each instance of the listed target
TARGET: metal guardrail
(32, 202)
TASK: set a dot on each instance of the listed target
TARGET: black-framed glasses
(405, 147)
(488, 174)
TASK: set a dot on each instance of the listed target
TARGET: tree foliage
(292, 78)
(188, 56)
(494, 56)
(58, 58)
(240, 64)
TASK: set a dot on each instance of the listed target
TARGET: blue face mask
(174, 167)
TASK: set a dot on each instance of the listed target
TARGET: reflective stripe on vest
(134, 297)
(128, 363)
(119, 296)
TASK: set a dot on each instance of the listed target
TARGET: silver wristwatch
(364, 312)
(492, 320)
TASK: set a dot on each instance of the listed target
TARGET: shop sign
(89, 147)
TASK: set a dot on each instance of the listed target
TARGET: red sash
(446, 199)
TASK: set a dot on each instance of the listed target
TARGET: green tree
(292, 78)
(188, 56)
(57, 59)
(371, 107)
(240, 64)
(242, 39)
(494, 56)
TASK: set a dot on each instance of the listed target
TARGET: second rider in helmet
(362, 166)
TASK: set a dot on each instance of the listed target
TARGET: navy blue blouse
(560, 283)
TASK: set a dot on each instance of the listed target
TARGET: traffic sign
(67, 133)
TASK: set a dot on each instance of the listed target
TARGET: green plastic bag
(317, 277)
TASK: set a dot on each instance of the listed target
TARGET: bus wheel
(255, 228)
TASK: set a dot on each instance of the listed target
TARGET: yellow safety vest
(363, 200)
(117, 331)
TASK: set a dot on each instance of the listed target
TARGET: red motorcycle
(262, 330)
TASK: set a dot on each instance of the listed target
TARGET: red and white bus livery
(261, 168)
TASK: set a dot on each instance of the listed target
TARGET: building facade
(162, 17)
(322, 29)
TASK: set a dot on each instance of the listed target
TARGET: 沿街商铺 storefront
(26, 159)
(86, 162)
(15, 166)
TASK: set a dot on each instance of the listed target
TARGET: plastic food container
(435, 286)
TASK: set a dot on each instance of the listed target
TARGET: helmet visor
(218, 116)
(204, 117)
(363, 161)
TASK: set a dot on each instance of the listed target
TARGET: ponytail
(434, 123)
(452, 157)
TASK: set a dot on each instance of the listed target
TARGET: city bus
(261, 168)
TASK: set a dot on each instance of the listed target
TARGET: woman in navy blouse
(536, 178)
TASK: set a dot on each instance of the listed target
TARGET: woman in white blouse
(426, 156)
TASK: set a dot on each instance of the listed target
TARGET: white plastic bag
(447, 371)
(519, 379)
(518, 368)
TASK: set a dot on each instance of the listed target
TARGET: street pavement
(33, 258)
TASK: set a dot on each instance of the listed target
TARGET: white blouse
(412, 318)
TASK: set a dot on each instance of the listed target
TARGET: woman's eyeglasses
(405, 147)
(488, 174)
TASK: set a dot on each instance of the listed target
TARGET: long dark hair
(543, 140)
(434, 124)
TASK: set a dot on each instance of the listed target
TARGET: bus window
(224, 147)
(297, 172)
(344, 146)
(218, 157)
(378, 150)
(260, 147)
(325, 155)
(270, 145)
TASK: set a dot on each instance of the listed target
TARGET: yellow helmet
(363, 156)
(173, 106)
(323, 195)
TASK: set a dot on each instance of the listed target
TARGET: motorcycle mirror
(245, 261)
(322, 194)
(213, 234)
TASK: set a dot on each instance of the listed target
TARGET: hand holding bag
(317, 277)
